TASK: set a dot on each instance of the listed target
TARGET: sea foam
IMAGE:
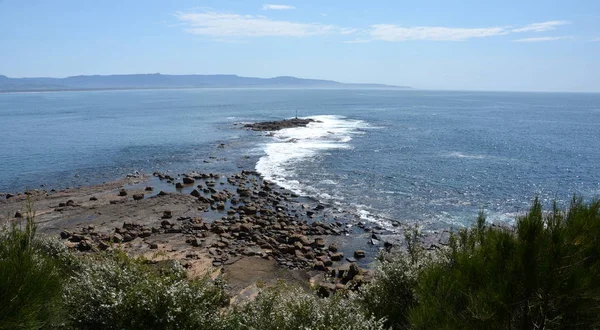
(292, 146)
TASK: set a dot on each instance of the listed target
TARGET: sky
(524, 45)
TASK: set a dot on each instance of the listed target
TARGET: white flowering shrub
(113, 291)
(283, 308)
(393, 292)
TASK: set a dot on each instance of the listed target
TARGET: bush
(283, 307)
(544, 275)
(30, 281)
(114, 291)
(392, 294)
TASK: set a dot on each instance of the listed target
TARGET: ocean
(435, 158)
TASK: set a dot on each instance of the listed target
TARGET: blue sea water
(431, 157)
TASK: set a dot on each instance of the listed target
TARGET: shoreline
(240, 226)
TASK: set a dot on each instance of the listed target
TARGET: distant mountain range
(157, 80)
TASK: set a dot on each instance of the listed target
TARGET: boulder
(319, 242)
(187, 180)
(122, 192)
(138, 197)
(116, 238)
(333, 247)
(319, 265)
(359, 254)
(84, 246)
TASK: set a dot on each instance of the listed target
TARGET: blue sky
(476, 45)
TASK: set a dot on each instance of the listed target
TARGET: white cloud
(541, 39)
(346, 31)
(357, 41)
(277, 7)
(225, 26)
(216, 24)
(390, 32)
(541, 27)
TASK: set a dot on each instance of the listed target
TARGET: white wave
(331, 182)
(457, 154)
(291, 146)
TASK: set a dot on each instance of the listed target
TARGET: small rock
(138, 197)
(116, 238)
(359, 254)
(178, 185)
(103, 245)
(167, 215)
(18, 214)
(93, 198)
(319, 265)
(84, 246)
(149, 188)
(333, 247)
(319, 242)
(153, 246)
(122, 192)
(187, 180)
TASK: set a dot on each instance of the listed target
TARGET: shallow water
(435, 158)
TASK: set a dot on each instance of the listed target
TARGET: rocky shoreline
(279, 124)
(212, 223)
(238, 225)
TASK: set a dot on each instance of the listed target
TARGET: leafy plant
(114, 291)
(543, 275)
(30, 281)
(283, 307)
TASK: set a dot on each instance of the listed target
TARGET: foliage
(114, 291)
(30, 281)
(543, 275)
(283, 307)
(392, 294)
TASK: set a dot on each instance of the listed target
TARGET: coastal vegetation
(543, 273)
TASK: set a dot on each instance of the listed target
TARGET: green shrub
(114, 291)
(392, 294)
(30, 281)
(283, 307)
(543, 275)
